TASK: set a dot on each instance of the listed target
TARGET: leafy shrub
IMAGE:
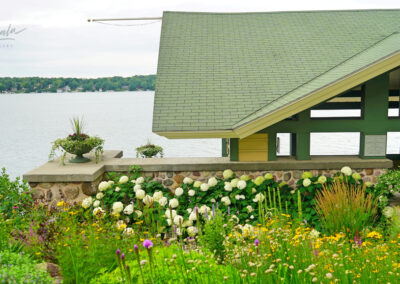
(388, 184)
(344, 207)
(19, 268)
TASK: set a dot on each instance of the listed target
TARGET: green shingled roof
(220, 71)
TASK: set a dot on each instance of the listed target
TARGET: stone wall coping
(88, 172)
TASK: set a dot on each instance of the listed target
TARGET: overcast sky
(58, 40)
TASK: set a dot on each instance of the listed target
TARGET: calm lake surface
(30, 122)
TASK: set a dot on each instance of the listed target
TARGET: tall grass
(344, 207)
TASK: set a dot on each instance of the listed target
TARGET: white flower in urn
(174, 203)
(228, 186)
(117, 207)
(140, 194)
(157, 196)
(306, 182)
(226, 200)
(187, 180)
(104, 185)
(178, 191)
(241, 184)
(128, 209)
(87, 202)
(346, 171)
(148, 200)
(163, 201)
(139, 180)
(123, 179)
(96, 203)
(191, 192)
(99, 195)
(212, 182)
(204, 187)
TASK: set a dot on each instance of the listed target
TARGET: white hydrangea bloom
(193, 216)
(228, 186)
(163, 201)
(140, 194)
(226, 200)
(187, 180)
(241, 184)
(157, 196)
(237, 197)
(212, 182)
(322, 179)
(227, 174)
(123, 179)
(98, 211)
(117, 207)
(306, 182)
(137, 187)
(213, 200)
(178, 191)
(104, 185)
(117, 189)
(204, 208)
(268, 176)
(197, 183)
(87, 202)
(192, 231)
(346, 171)
(253, 190)
(99, 195)
(249, 208)
(96, 203)
(128, 209)
(189, 210)
(128, 231)
(234, 182)
(259, 197)
(178, 219)
(388, 212)
(174, 203)
(191, 192)
(204, 187)
(110, 183)
(140, 180)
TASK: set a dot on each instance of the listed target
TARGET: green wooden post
(272, 146)
(303, 145)
(293, 144)
(234, 149)
(224, 152)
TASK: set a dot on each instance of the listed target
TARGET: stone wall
(76, 191)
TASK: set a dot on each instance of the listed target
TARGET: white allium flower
(212, 182)
(138, 213)
(123, 179)
(187, 180)
(128, 231)
(228, 186)
(137, 187)
(169, 222)
(249, 208)
(192, 231)
(226, 200)
(87, 202)
(110, 183)
(241, 184)
(148, 200)
(99, 195)
(139, 180)
(178, 219)
(157, 196)
(117, 207)
(174, 203)
(163, 201)
(234, 182)
(178, 191)
(128, 209)
(388, 212)
(104, 185)
(189, 210)
(227, 174)
(213, 200)
(187, 223)
(306, 182)
(140, 194)
(346, 171)
(204, 208)
(170, 214)
(98, 211)
(204, 187)
(191, 192)
(117, 189)
(197, 183)
(193, 216)
(259, 197)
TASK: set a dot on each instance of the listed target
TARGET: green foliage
(77, 125)
(52, 85)
(20, 268)
(388, 184)
(15, 196)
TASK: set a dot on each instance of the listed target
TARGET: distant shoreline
(77, 92)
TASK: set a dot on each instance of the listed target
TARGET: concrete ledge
(88, 172)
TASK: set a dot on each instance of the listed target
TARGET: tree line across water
(58, 85)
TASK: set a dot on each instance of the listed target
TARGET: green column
(302, 145)
(234, 149)
(224, 152)
(271, 146)
(374, 108)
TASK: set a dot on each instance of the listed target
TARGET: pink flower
(147, 244)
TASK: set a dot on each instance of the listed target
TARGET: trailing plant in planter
(149, 150)
(78, 144)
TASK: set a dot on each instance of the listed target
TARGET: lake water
(30, 122)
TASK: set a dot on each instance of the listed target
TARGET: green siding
(234, 149)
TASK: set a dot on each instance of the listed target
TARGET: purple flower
(147, 244)
(135, 247)
(122, 255)
(316, 252)
(256, 242)
(118, 252)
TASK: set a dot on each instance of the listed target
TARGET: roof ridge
(282, 12)
(316, 77)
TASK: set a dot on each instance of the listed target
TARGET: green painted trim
(303, 146)
(293, 144)
(224, 153)
(234, 149)
(271, 146)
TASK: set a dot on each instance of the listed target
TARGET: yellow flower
(38, 253)
(374, 235)
(67, 229)
(60, 203)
